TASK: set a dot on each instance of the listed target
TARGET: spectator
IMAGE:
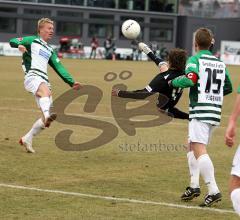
(109, 46)
(94, 46)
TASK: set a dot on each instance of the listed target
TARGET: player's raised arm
(137, 94)
(24, 41)
(157, 84)
(55, 63)
(161, 63)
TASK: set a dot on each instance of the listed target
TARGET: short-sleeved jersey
(39, 54)
(160, 84)
(206, 96)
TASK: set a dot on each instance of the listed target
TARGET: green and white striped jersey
(39, 54)
(206, 96)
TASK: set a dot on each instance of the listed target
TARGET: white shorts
(31, 83)
(236, 163)
(199, 132)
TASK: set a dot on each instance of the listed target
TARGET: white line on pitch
(172, 205)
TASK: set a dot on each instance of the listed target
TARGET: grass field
(109, 170)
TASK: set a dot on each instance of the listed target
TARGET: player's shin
(193, 169)
(45, 103)
(37, 127)
(207, 172)
(235, 197)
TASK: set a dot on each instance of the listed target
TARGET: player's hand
(77, 86)
(230, 134)
(22, 49)
(115, 92)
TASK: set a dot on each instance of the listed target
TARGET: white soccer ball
(131, 29)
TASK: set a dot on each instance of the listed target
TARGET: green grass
(108, 171)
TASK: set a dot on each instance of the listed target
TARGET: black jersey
(159, 84)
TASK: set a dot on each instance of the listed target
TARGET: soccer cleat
(50, 119)
(144, 47)
(211, 199)
(190, 193)
(27, 144)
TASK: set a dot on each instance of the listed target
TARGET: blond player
(37, 54)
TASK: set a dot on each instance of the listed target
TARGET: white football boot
(27, 143)
(144, 47)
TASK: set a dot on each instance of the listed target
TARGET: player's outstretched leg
(158, 60)
(26, 140)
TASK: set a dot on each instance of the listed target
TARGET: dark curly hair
(177, 59)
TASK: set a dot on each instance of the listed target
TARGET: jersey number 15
(212, 79)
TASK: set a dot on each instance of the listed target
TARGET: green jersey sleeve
(182, 82)
(192, 65)
(227, 88)
(55, 63)
(25, 41)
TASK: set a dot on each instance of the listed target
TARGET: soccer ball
(131, 29)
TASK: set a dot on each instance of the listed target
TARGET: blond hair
(43, 21)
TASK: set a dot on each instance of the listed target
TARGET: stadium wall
(85, 16)
(223, 29)
(181, 27)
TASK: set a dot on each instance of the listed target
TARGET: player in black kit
(174, 67)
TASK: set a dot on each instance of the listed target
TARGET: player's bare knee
(43, 90)
(198, 149)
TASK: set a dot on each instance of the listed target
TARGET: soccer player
(209, 81)
(234, 184)
(37, 53)
(159, 84)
